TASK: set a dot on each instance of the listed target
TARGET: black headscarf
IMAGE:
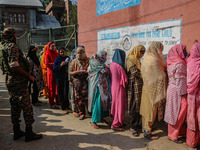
(119, 57)
(33, 56)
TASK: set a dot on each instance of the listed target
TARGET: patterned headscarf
(83, 56)
(73, 55)
(101, 56)
(8, 35)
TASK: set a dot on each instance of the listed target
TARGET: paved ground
(64, 132)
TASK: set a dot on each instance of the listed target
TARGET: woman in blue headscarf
(98, 79)
(119, 80)
(60, 70)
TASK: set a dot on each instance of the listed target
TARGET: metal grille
(65, 36)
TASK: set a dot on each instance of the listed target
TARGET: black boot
(17, 132)
(30, 135)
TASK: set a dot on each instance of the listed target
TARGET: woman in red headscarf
(50, 56)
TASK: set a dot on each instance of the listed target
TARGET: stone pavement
(65, 132)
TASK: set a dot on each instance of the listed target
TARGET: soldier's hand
(32, 78)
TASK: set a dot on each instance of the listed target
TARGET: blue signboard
(106, 6)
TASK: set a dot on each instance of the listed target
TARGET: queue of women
(150, 89)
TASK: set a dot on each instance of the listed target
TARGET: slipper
(179, 141)
(94, 125)
(64, 111)
(117, 129)
(151, 137)
(54, 107)
(189, 148)
(81, 117)
(133, 132)
(76, 114)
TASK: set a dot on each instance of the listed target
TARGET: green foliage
(45, 3)
(73, 15)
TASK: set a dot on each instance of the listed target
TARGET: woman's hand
(83, 71)
(32, 78)
(63, 63)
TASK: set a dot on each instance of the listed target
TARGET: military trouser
(21, 103)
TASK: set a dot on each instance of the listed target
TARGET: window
(23, 18)
(17, 17)
(11, 18)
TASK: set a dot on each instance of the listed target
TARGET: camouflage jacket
(10, 57)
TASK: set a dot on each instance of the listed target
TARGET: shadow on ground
(63, 132)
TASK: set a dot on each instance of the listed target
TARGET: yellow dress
(44, 71)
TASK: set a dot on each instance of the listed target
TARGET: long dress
(38, 85)
(135, 84)
(51, 80)
(154, 87)
(176, 105)
(44, 72)
(80, 85)
(98, 91)
(118, 92)
(61, 75)
(71, 95)
(193, 79)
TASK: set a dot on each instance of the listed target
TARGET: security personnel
(16, 68)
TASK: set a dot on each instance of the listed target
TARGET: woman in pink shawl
(118, 91)
(176, 104)
(193, 111)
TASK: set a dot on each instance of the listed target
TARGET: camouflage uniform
(17, 84)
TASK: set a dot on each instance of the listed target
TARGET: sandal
(179, 141)
(54, 107)
(151, 137)
(117, 129)
(189, 148)
(81, 117)
(64, 111)
(76, 114)
(133, 132)
(94, 125)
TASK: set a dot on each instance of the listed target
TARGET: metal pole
(76, 35)
(29, 38)
(50, 35)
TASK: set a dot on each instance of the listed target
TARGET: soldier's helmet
(9, 34)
